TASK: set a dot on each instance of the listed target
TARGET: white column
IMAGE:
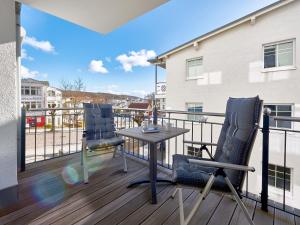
(9, 101)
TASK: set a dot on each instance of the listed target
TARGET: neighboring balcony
(52, 191)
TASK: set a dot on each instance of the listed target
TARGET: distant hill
(98, 97)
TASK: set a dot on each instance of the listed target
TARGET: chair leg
(181, 210)
(174, 193)
(124, 158)
(197, 204)
(115, 152)
(239, 201)
(84, 161)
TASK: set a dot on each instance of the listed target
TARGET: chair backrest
(99, 121)
(238, 135)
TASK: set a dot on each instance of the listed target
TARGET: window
(280, 54)
(51, 93)
(276, 177)
(33, 105)
(194, 68)
(34, 91)
(25, 90)
(193, 151)
(280, 110)
(194, 107)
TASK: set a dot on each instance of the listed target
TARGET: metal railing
(51, 133)
(63, 139)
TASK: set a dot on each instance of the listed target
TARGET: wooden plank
(30, 199)
(117, 216)
(98, 181)
(206, 210)
(239, 217)
(167, 209)
(88, 197)
(188, 204)
(147, 209)
(224, 212)
(283, 218)
(102, 212)
(202, 215)
(263, 218)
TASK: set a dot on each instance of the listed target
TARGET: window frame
(281, 104)
(279, 68)
(194, 116)
(193, 149)
(187, 68)
(275, 188)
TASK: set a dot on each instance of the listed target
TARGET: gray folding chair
(99, 133)
(225, 171)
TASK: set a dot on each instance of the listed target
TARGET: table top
(162, 135)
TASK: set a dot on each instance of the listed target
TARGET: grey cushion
(100, 143)
(235, 142)
(99, 121)
(194, 175)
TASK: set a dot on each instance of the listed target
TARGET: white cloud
(27, 73)
(96, 66)
(139, 58)
(23, 32)
(24, 55)
(45, 46)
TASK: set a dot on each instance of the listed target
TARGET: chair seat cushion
(100, 143)
(191, 174)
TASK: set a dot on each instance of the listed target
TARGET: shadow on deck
(52, 192)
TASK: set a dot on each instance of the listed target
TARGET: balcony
(51, 187)
(52, 192)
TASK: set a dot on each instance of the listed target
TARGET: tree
(66, 85)
(78, 85)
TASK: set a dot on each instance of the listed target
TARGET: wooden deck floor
(51, 192)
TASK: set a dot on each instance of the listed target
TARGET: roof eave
(226, 27)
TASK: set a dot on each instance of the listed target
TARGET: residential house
(37, 95)
(254, 55)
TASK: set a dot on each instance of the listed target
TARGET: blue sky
(56, 50)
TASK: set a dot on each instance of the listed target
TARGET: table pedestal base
(153, 186)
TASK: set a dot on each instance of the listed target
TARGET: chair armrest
(221, 165)
(199, 143)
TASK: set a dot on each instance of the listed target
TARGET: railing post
(265, 159)
(23, 139)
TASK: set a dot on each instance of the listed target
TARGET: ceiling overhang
(102, 16)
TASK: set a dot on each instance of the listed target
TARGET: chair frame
(219, 172)
(84, 156)
(220, 166)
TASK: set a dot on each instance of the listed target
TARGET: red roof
(139, 105)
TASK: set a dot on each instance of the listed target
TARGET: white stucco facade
(233, 66)
(9, 101)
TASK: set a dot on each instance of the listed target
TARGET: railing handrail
(286, 118)
(49, 109)
(194, 113)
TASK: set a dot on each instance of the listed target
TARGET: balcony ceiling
(101, 16)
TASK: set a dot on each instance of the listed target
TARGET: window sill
(277, 69)
(279, 192)
(194, 78)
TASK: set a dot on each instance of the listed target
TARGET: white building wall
(233, 65)
(9, 86)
